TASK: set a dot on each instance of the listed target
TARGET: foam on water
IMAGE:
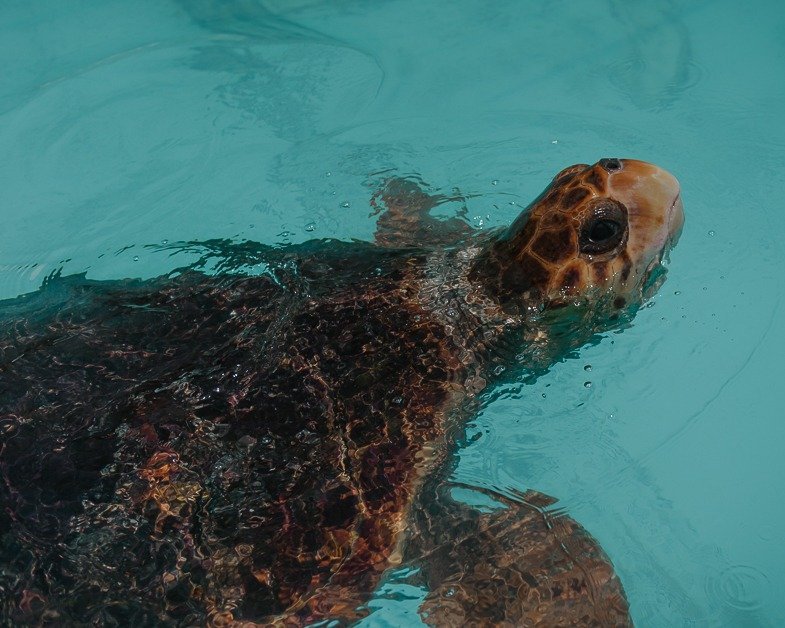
(124, 125)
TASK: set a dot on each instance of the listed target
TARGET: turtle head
(596, 234)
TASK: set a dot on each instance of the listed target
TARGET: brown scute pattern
(569, 172)
(555, 246)
(553, 196)
(574, 196)
(570, 278)
(596, 179)
(525, 273)
(555, 221)
(600, 271)
(539, 257)
(225, 419)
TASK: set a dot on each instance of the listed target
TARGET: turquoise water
(124, 125)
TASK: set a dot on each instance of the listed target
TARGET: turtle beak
(654, 198)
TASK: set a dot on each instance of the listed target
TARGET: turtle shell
(214, 446)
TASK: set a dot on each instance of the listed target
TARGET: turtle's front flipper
(519, 565)
(405, 219)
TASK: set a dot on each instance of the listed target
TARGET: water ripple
(740, 586)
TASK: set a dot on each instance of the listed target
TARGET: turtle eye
(604, 229)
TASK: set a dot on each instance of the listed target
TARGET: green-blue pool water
(124, 125)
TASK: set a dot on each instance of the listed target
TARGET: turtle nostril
(610, 165)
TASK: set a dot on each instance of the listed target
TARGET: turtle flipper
(405, 219)
(520, 565)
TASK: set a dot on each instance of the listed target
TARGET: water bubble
(587, 367)
(136, 258)
(712, 232)
(345, 204)
(587, 384)
(310, 226)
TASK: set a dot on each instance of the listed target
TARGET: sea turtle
(259, 449)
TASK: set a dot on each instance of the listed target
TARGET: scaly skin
(230, 449)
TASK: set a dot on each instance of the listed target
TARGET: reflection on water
(657, 66)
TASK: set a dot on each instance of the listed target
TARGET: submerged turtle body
(260, 449)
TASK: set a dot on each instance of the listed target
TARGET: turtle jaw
(675, 221)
